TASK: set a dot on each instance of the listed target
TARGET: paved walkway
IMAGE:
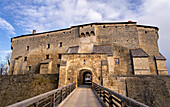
(82, 96)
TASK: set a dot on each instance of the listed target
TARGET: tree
(8, 56)
(4, 64)
(1, 68)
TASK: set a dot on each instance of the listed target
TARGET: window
(87, 34)
(27, 48)
(104, 26)
(48, 35)
(60, 44)
(82, 35)
(25, 59)
(59, 56)
(47, 56)
(58, 68)
(29, 68)
(116, 60)
(92, 33)
(146, 32)
(48, 46)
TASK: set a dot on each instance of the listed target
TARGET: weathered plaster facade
(102, 49)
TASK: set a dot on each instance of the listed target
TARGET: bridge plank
(82, 97)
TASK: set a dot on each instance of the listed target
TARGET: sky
(19, 17)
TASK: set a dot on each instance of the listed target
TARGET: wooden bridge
(83, 96)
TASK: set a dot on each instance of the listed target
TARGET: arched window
(92, 33)
(82, 35)
(87, 34)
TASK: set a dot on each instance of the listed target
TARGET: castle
(98, 49)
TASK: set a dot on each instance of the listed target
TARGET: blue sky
(18, 17)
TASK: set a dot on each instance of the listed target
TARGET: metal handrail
(111, 98)
(51, 98)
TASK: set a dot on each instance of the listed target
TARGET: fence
(111, 98)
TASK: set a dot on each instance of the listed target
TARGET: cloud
(7, 27)
(46, 15)
(156, 12)
(6, 51)
(3, 53)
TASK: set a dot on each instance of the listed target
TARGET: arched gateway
(84, 77)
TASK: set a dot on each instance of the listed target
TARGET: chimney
(34, 31)
(129, 21)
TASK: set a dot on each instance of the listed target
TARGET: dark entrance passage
(87, 78)
(84, 77)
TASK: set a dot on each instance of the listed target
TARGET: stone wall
(149, 89)
(15, 88)
(30, 50)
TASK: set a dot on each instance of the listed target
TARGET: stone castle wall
(30, 50)
(15, 88)
(149, 89)
(152, 90)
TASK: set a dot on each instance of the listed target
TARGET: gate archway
(85, 77)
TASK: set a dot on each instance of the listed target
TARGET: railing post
(123, 104)
(110, 100)
(100, 92)
(70, 89)
(66, 91)
(61, 94)
(54, 100)
(104, 96)
(36, 104)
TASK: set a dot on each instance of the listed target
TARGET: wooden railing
(49, 99)
(111, 98)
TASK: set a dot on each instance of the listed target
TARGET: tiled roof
(138, 53)
(160, 57)
(46, 61)
(73, 49)
(103, 49)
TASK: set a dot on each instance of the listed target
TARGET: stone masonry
(101, 49)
